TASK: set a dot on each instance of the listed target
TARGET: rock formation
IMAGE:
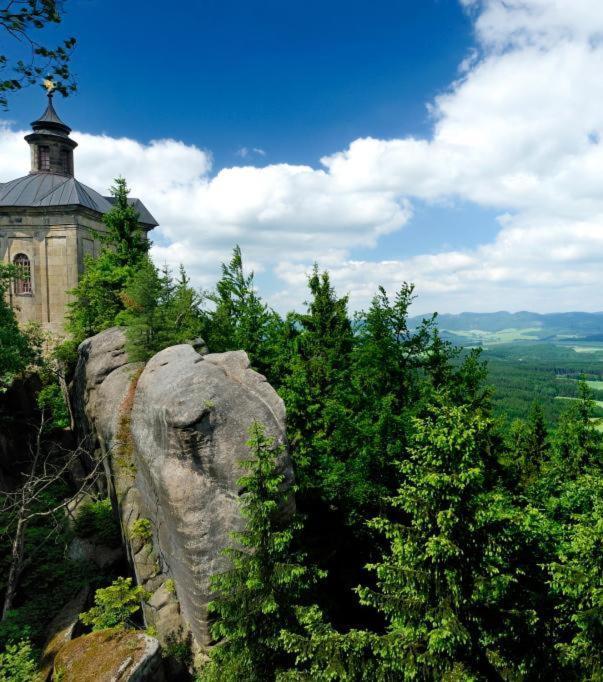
(172, 434)
(110, 656)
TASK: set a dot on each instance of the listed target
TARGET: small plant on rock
(115, 606)
(141, 529)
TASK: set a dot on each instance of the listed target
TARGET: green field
(487, 338)
(525, 372)
(598, 403)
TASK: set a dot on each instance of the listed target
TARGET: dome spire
(50, 120)
(51, 146)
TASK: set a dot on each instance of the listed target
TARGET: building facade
(48, 221)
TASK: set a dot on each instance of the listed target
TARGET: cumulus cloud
(519, 132)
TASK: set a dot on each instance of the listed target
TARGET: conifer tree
(315, 388)
(97, 297)
(240, 319)
(124, 235)
(256, 596)
(577, 580)
(428, 583)
(577, 443)
(159, 312)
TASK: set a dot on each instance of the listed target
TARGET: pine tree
(240, 319)
(577, 580)
(427, 584)
(97, 297)
(577, 443)
(159, 312)
(314, 390)
(124, 235)
(255, 598)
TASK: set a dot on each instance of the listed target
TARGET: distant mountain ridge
(503, 326)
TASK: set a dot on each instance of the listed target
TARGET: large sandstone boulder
(173, 435)
(110, 656)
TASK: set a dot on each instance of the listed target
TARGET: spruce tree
(315, 389)
(428, 583)
(256, 596)
(159, 312)
(97, 297)
(240, 319)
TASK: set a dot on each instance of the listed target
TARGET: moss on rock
(115, 654)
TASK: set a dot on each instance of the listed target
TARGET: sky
(452, 143)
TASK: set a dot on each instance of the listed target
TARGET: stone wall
(56, 243)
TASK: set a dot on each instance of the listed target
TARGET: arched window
(23, 277)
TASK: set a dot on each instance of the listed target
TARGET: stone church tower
(47, 224)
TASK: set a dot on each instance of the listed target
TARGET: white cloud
(517, 132)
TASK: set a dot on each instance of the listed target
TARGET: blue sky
(392, 140)
(297, 79)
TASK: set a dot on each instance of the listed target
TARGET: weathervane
(50, 86)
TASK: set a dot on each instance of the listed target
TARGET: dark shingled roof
(48, 189)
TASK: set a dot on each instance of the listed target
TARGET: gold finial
(50, 86)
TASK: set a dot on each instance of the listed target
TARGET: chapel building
(48, 221)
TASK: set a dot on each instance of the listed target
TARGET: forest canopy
(431, 541)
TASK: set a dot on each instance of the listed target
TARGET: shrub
(95, 520)
(51, 398)
(141, 529)
(178, 647)
(114, 606)
(17, 663)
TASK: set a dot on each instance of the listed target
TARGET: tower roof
(50, 121)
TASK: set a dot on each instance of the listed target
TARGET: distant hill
(504, 327)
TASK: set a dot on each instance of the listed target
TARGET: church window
(44, 158)
(66, 160)
(23, 276)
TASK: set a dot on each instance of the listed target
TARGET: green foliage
(314, 387)
(51, 398)
(22, 22)
(97, 297)
(17, 663)
(323, 655)
(115, 606)
(255, 597)
(177, 646)
(16, 351)
(426, 584)
(141, 529)
(159, 312)
(96, 520)
(240, 320)
(49, 578)
(577, 578)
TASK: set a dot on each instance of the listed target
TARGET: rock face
(173, 435)
(110, 656)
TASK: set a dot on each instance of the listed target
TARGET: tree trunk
(16, 565)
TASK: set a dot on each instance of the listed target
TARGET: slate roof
(50, 119)
(48, 189)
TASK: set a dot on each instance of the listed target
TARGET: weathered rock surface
(110, 656)
(175, 434)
